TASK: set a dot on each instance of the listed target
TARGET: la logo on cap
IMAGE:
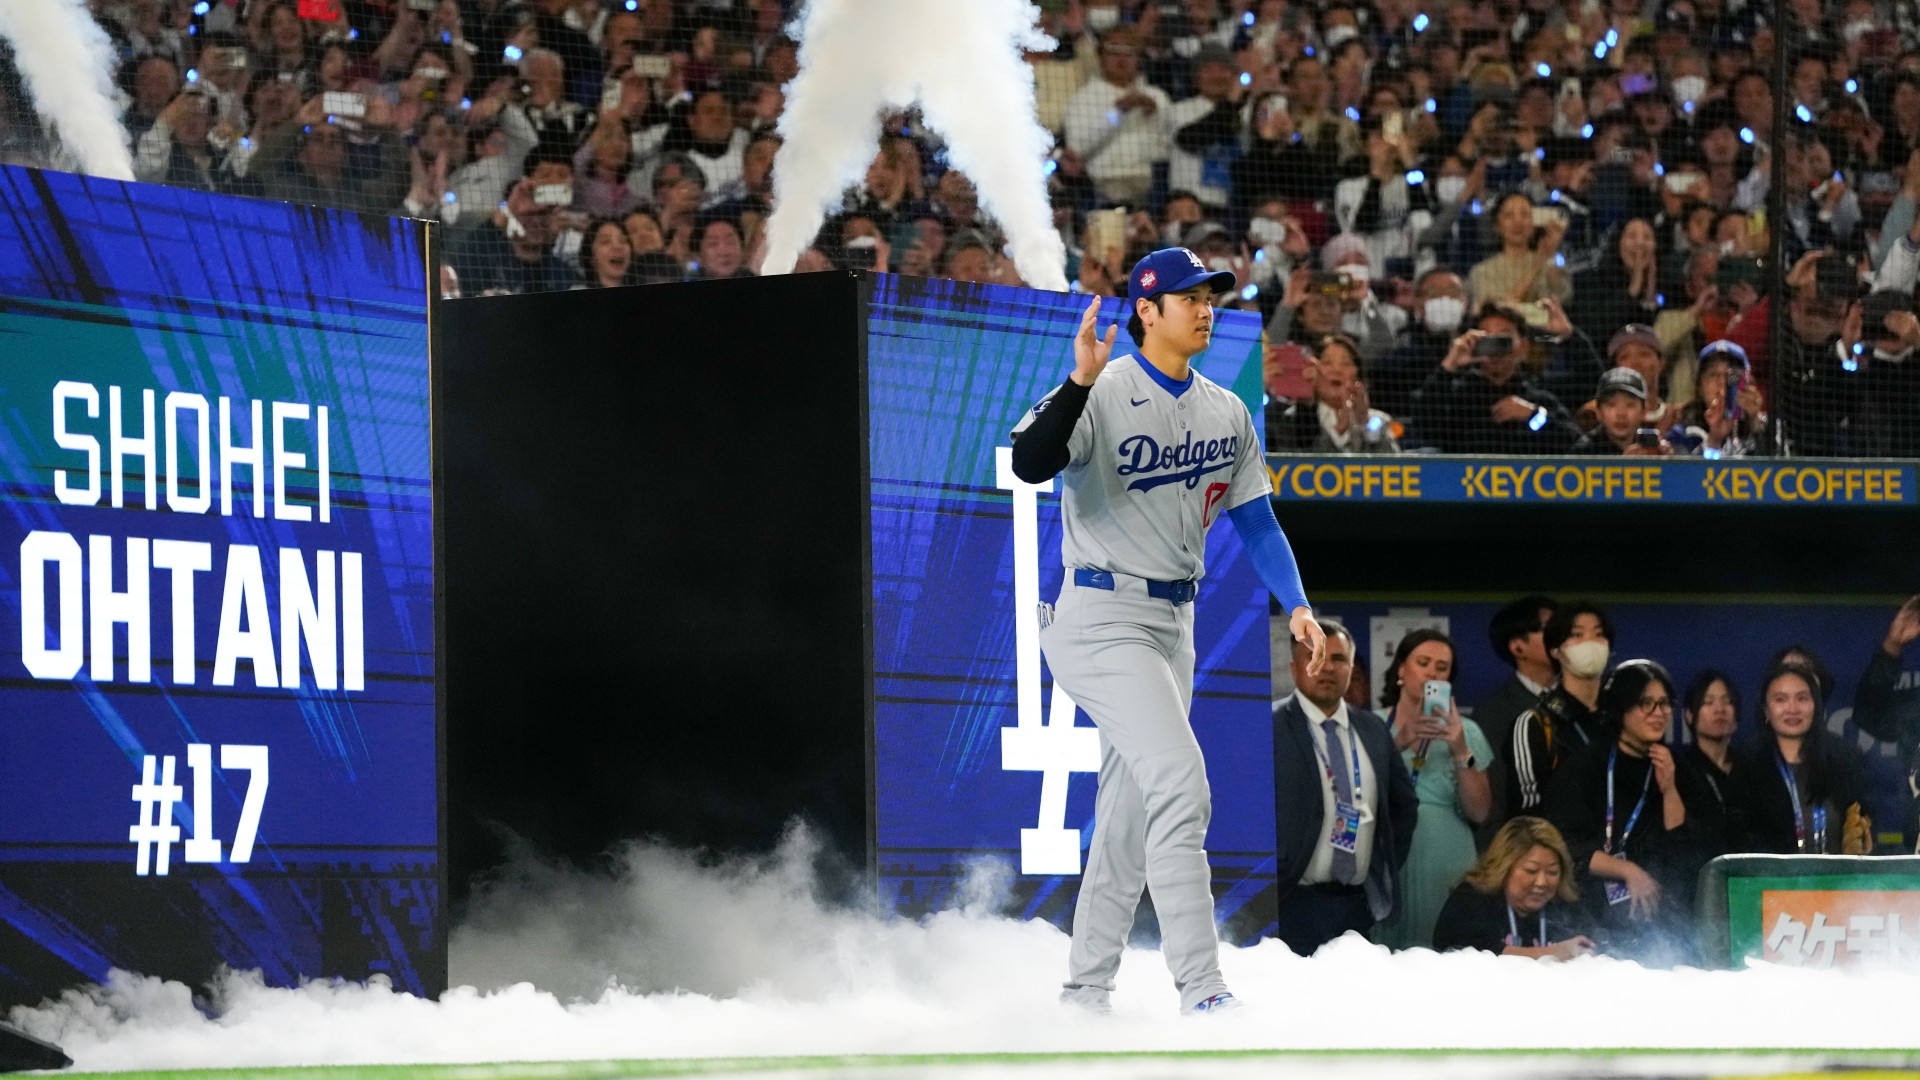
(1194, 259)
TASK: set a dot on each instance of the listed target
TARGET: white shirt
(1127, 150)
(1533, 688)
(1320, 867)
(1187, 172)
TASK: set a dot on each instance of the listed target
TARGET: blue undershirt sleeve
(1272, 555)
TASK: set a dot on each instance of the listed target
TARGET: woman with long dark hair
(1627, 814)
(1448, 757)
(1625, 287)
(1798, 789)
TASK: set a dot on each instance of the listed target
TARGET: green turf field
(1520, 1063)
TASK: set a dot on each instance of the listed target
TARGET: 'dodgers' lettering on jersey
(1187, 460)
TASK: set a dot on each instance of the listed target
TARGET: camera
(1647, 438)
(1325, 283)
(1494, 345)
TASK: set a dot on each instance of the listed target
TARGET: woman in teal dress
(1448, 757)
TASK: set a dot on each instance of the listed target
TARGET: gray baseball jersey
(1150, 472)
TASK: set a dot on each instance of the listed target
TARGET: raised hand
(1090, 353)
(1307, 632)
(1905, 627)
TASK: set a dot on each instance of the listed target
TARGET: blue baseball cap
(1733, 352)
(1173, 270)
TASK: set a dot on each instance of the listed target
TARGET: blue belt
(1178, 592)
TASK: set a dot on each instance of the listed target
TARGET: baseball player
(1153, 454)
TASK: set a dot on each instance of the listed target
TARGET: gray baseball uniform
(1153, 465)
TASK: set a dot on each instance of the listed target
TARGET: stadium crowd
(1456, 219)
(1573, 808)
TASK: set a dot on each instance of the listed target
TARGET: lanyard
(1513, 924)
(1799, 820)
(1353, 744)
(1612, 757)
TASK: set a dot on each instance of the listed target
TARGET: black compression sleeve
(1040, 452)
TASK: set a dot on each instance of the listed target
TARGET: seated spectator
(1363, 316)
(703, 133)
(1206, 129)
(1346, 811)
(543, 74)
(1524, 270)
(1447, 757)
(308, 161)
(606, 259)
(679, 190)
(721, 250)
(643, 232)
(1453, 238)
(1338, 418)
(513, 251)
(1623, 288)
(1887, 712)
(178, 149)
(967, 258)
(1278, 164)
(154, 85)
(600, 168)
(1622, 805)
(499, 140)
(279, 40)
(1439, 307)
(1117, 122)
(1621, 405)
(1799, 788)
(1728, 418)
(1712, 715)
(1884, 419)
(1684, 331)
(1517, 635)
(1480, 401)
(1380, 206)
(1518, 900)
(1578, 639)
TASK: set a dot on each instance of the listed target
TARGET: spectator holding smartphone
(1480, 401)
(1525, 270)
(1519, 899)
(1728, 417)
(1448, 757)
(513, 250)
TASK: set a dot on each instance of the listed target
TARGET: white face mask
(1450, 188)
(1585, 659)
(1442, 314)
(1339, 36)
(1102, 19)
(1856, 30)
(1886, 357)
(1689, 88)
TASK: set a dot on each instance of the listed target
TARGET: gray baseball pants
(1127, 660)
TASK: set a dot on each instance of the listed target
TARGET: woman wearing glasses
(1623, 805)
(1797, 790)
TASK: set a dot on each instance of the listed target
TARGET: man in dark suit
(1345, 807)
(1515, 634)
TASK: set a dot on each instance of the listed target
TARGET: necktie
(1346, 869)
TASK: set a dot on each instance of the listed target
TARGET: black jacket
(1576, 804)
(1455, 413)
(1764, 808)
(1886, 712)
(1471, 919)
(1558, 726)
(1300, 821)
(1496, 714)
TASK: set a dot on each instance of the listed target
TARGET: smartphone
(1736, 382)
(1647, 438)
(1544, 216)
(1494, 345)
(1107, 231)
(423, 5)
(1393, 125)
(610, 97)
(553, 195)
(1436, 698)
(342, 103)
(1322, 283)
(653, 66)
